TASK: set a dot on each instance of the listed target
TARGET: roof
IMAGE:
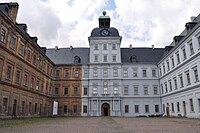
(113, 32)
(67, 55)
(142, 55)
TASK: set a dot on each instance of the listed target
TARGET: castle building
(102, 80)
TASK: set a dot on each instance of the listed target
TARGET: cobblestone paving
(108, 125)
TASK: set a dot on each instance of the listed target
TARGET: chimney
(152, 46)
(13, 11)
(10, 9)
(130, 46)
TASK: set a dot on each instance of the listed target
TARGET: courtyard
(100, 125)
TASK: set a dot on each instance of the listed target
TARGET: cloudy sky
(141, 23)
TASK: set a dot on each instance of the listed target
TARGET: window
(199, 41)
(66, 91)
(5, 105)
(191, 49)
(114, 58)
(67, 73)
(23, 106)
(37, 85)
(96, 47)
(57, 73)
(115, 72)
(191, 105)
(163, 68)
(181, 81)
(42, 86)
(166, 89)
(136, 108)
(75, 109)
(114, 46)
(17, 78)
(116, 90)
(156, 108)
(162, 90)
(25, 79)
(96, 58)
(76, 73)
(8, 73)
(104, 46)
(155, 90)
(168, 68)
(65, 109)
(145, 90)
(85, 91)
(146, 108)
(35, 107)
(160, 71)
(32, 82)
(85, 72)
(196, 75)
(170, 85)
(144, 72)
(153, 73)
(125, 90)
(175, 84)
(188, 78)
(135, 90)
(178, 107)
(3, 35)
(134, 72)
(126, 109)
(199, 103)
(105, 58)
(184, 54)
(56, 91)
(178, 58)
(30, 107)
(125, 72)
(95, 72)
(94, 90)
(28, 55)
(84, 108)
(34, 59)
(105, 90)
(75, 91)
(21, 49)
(13, 42)
(172, 104)
(105, 72)
(172, 60)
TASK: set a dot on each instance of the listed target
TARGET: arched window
(77, 59)
(133, 58)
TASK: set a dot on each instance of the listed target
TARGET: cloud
(141, 23)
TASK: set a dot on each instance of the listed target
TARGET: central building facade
(121, 81)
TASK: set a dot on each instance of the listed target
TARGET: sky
(142, 23)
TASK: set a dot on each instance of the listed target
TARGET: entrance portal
(105, 109)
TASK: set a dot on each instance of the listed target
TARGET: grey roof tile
(142, 55)
(66, 55)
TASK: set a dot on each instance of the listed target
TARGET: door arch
(105, 109)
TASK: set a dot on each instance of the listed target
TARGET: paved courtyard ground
(100, 125)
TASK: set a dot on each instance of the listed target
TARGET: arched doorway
(105, 109)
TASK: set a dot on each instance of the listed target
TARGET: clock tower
(105, 42)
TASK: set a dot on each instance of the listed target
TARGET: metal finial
(104, 13)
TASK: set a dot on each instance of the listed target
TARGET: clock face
(104, 32)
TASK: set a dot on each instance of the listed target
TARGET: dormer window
(133, 59)
(77, 60)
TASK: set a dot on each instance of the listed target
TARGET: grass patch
(22, 121)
